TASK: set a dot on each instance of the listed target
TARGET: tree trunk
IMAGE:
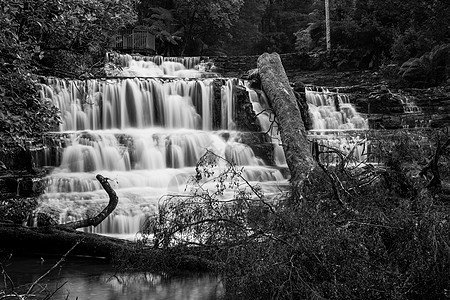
(54, 240)
(327, 25)
(293, 134)
(57, 238)
(96, 220)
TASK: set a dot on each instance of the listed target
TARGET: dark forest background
(390, 29)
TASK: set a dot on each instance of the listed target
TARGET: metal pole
(327, 24)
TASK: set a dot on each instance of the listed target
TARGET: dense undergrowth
(366, 232)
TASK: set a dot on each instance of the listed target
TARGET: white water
(267, 122)
(146, 135)
(157, 66)
(332, 114)
(332, 111)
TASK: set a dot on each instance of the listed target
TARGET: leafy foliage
(377, 30)
(51, 37)
(16, 210)
(23, 115)
(207, 216)
(245, 33)
(394, 29)
(193, 25)
(165, 28)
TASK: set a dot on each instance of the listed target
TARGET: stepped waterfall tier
(333, 117)
(332, 111)
(146, 135)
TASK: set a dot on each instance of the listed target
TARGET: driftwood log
(96, 220)
(296, 147)
(58, 238)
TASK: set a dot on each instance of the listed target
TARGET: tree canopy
(393, 30)
(51, 37)
(191, 25)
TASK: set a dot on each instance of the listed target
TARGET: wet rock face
(435, 104)
(384, 102)
(20, 185)
(407, 108)
(245, 116)
(19, 174)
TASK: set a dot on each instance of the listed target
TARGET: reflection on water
(87, 278)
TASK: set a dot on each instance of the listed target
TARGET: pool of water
(94, 279)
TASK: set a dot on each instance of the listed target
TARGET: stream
(95, 279)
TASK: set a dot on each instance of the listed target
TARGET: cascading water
(332, 111)
(158, 66)
(407, 102)
(267, 122)
(146, 135)
(332, 114)
(127, 60)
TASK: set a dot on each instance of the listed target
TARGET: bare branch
(94, 221)
(52, 268)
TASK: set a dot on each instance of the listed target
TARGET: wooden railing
(134, 40)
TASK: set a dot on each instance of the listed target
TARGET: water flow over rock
(332, 111)
(146, 135)
(333, 117)
(158, 66)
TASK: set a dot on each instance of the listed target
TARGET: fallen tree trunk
(95, 221)
(62, 239)
(54, 240)
(57, 238)
(293, 134)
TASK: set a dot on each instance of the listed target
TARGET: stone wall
(19, 176)
(236, 66)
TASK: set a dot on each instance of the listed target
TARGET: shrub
(409, 44)
(23, 115)
(17, 210)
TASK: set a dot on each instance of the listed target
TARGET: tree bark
(96, 220)
(327, 25)
(293, 134)
(57, 238)
(54, 240)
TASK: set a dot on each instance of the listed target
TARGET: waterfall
(158, 66)
(407, 102)
(267, 122)
(332, 116)
(332, 111)
(146, 135)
